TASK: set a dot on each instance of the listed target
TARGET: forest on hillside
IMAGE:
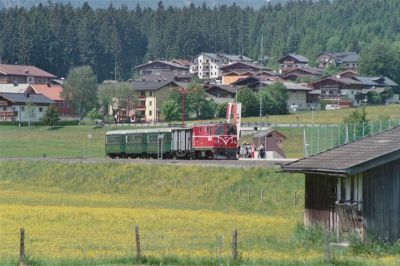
(56, 37)
(148, 3)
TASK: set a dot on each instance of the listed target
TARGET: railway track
(245, 163)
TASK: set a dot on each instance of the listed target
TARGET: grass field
(72, 141)
(84, 214)
(330, 117)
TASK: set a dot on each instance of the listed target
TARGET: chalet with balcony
(23, 107)
(344, 60)
(151, 96)
(292, 61)
(23, 74)
(222, 93)
(238, 70)
(355, 188)
(347, 92)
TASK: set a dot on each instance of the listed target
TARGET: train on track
(206, 141)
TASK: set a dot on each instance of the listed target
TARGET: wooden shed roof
(352, 158)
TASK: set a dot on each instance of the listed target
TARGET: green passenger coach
(141, 143)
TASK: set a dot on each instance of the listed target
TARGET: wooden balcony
(140, 107)
(8, 114)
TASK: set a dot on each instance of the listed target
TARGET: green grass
(72, 141)
(391, 111)
(73, 211)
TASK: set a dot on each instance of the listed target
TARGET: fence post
(294, 198)
(234, 244)
(138, 256)
(327, 255)
(219, 249)
(262, 195)
(21, 261)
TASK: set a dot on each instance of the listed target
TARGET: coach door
(160, 145)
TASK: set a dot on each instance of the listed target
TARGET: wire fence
(319, 138)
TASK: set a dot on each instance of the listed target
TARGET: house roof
(24, 70)
(345, 81)
(53, 92)
(251, 65)
(227, 88)
(182, 62)
(25, 97)
(352, 158)
(14, 88)
(221, 56)
(175, 65)
(297, 57)
(296, 86)
(311, 71)
(350, 58)
(376, 81)
(348, 71)
(149, 85)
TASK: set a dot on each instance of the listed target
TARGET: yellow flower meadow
(56, 232)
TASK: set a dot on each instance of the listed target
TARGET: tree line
(112, 41)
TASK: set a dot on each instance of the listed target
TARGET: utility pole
(183, 92)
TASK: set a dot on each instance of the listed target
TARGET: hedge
(40, 123)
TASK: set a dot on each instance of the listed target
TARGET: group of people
(247, 150)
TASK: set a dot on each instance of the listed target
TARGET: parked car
(332, 107)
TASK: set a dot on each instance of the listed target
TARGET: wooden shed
(355, 187)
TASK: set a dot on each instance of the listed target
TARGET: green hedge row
(40, 123)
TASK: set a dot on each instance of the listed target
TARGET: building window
(150, 93)
(150, 103)
(150, 113)
(40, 109)
(23, 108)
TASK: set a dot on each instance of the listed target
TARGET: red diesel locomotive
(214, 141)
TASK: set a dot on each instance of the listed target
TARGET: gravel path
(245, 163)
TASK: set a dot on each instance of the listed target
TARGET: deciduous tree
(80, 89)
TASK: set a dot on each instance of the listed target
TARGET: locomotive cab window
(219, 130)
(231, 130)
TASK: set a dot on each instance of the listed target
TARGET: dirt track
(212, 163)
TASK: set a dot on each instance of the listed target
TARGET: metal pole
(183, 110)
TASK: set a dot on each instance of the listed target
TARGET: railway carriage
(208, 141)
(115, 143)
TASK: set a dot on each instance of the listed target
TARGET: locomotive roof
(214, 124)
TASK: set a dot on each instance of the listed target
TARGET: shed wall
(320, 197)
(381, 194)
